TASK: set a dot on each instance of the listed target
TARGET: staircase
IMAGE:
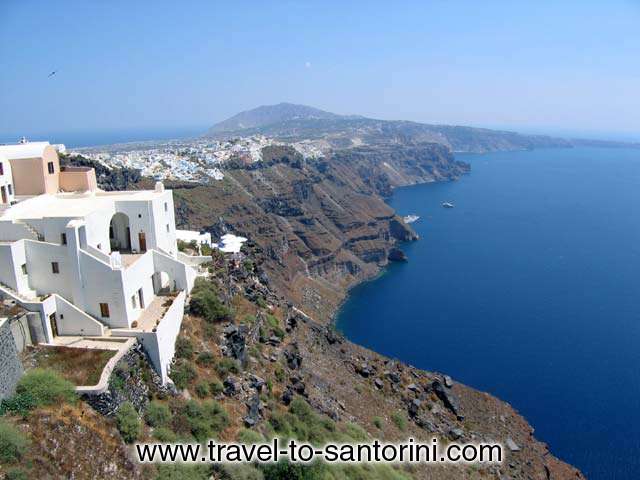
(36, 235)
(33, 297)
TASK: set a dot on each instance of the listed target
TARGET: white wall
(72, 321)
(39, 256)
(12, 257)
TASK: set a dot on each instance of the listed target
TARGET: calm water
(528, 289)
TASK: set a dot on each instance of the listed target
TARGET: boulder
(448, 399)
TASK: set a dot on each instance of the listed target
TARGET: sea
(529, 289)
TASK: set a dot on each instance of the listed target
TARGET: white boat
(448, 205)
(411, 218)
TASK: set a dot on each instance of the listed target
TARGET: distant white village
(190, 160)
(85, 268)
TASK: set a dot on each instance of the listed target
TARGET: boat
(411, 218)
(448, 205)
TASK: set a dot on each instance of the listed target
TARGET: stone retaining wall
(10, 365)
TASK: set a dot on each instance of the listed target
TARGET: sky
(569, 67)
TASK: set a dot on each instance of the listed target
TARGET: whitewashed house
(91, 263)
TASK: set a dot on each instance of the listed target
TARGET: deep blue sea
(528, 289)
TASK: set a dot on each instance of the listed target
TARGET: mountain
(272, 114)
(294, 123)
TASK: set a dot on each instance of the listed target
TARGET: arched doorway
(120, 233)
(163, 284)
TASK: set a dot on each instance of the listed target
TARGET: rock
(253, 415)
(274, 340)
(287, 396)
(413, 387)
(394, 377)
(230, 329)
(294, 359)
(511, 445)
(447, 381)
(256, 382)
(332, 336)
(231, 386)
(414, 406)
(448, 399)
(378, 383)
(364, 370)
(397, 255)
(455, 433)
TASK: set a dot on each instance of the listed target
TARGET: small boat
(411, 218)
(447, 205)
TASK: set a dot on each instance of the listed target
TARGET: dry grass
(79, 366)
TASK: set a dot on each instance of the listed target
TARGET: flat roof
(72, 205)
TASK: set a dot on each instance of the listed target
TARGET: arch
(163, 283)
(120, 233)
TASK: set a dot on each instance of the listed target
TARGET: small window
(2, 171)
(63, 239)
(55, 268)
(104, 310)
(134, 304)
(166, 207)
(111, 234)
(10, 189)
(168, 229)
(99, 246)
(51, 168)
(139, 215)
(24, 268)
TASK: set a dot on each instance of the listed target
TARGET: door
(128, 239)
(141, 298)
(54, 324)
(4, 194)
(142, 240)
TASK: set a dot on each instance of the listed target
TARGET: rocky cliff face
(321, 225)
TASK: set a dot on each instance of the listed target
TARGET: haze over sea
(528, 289)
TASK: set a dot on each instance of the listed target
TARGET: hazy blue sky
(556, 66)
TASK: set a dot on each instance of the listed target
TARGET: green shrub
(184, 348)
(39, 387)
(182, 374)
(16, 473)
(204, 419)
(216, 387)
(272, 321)
(13, 444)
(400, 420)
(378, 423)
(157, 414)
(128, 422)
(249, 436)
(225, 366)
(202, 389)
(205, 359)
(181, 471)
(206, 303)
(165, 435)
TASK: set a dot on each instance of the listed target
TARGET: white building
(91, 263)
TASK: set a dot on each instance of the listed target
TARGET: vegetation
(206, 303)
(182, 374)
(202, 389)
(79, 366)
(202, 420)
(128, 422)
(13, 444)
(400, 420)
(377, 422)
(184, 348)
(38, 388)
(205, 359)
(226, 366)
(157, 414)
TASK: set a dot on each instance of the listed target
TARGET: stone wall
(10, 364)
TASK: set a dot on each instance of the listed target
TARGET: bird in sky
(52, 74)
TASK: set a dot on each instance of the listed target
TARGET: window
(168, 229)
(10, 189)
(166, 207)
(99, 246)
(2, 171)
(63, 239)
(104, 310)
(24, 268)
(139, 215)
(55, 268)
(134, 304)
(50, 167)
